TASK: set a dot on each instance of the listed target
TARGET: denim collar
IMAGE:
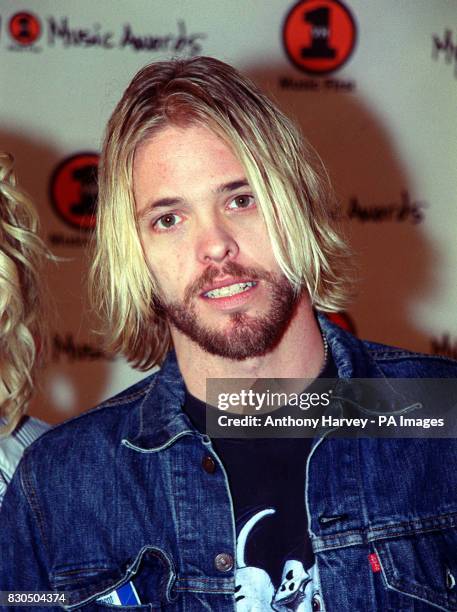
(351, 358)
(159, 420)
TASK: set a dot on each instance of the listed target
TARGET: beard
(247, 335)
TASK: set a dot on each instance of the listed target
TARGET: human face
(207, 246)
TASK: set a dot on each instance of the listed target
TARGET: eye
(241, 201)
(166, 222)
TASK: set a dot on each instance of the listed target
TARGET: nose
(216, 243)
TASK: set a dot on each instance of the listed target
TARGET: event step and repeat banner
(372, 84)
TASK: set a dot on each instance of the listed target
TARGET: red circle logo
(74, 190)
(343, 320)
(319, 35)
(25, 28)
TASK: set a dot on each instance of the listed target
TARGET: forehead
(183, 159)
(174, 144)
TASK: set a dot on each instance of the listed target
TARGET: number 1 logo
(319, 35)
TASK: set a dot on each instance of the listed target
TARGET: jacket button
(223, 562)
(209, 464)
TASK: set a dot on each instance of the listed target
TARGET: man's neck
(299, 354)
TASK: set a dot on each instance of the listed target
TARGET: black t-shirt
(267, 483)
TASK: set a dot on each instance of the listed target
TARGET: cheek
(169, 269)
(260, 249)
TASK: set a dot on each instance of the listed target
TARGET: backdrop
(373, 85)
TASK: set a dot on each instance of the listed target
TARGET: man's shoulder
(397, 362)
(356, 358)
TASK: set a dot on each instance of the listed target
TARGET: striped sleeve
(13, 446)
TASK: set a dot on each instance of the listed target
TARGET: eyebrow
(162, 203)
(232, 186)
(170, 202)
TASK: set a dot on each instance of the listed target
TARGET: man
(214, 238)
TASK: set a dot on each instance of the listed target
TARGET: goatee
(247, 335)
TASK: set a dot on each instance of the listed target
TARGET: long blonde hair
(23, 337)
(288, 178)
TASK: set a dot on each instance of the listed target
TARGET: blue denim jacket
(121, 494)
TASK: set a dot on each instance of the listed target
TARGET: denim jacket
(122, 494)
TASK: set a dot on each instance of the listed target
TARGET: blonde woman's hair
(22, 323)
(286, 175)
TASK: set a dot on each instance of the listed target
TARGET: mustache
(231, 268)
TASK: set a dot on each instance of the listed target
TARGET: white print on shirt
(254, 591)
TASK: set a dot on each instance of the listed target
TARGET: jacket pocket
(89, 586)
(422, 566)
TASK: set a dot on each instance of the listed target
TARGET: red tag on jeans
(374, 562)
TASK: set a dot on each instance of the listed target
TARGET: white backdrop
(383, 121)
